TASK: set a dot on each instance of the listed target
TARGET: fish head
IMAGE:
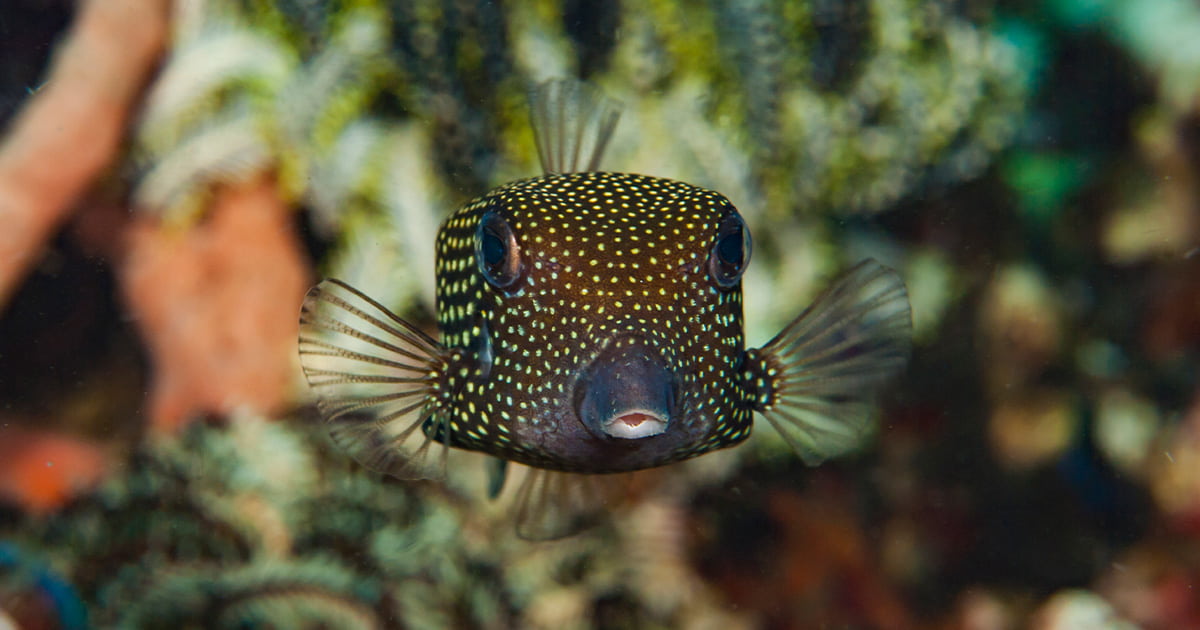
(603, 312)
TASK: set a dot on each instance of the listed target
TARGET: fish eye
(496, 251)
(730, 251)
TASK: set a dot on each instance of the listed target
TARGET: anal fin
(549, 504)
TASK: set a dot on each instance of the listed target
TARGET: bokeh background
(174, 175)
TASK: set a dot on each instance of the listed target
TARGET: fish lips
(627, 392)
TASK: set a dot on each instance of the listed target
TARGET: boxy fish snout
(627, 392)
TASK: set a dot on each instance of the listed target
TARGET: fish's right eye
(496, 251)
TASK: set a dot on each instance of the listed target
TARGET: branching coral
(238, 97)
(229, 526)
(225, 527)
(798, 112)
(810, 108)
(838, 106)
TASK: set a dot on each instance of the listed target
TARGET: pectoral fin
(375, 377)
(818, 380)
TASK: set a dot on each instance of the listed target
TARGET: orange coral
(71, 130)
(41, 470)
(218, 304)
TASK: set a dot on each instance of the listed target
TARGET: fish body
(591, 322)
(614, 290)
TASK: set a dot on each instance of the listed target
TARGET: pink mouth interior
(635, 424)
(634, 419)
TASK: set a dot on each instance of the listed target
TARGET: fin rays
(334, 351)
(407, 334)
(343, 378)
(376, 378)
(335, 410)
(834, 359)
(572, 124)
(551, 504)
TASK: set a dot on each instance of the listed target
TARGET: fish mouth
(638, 423)
(627, 392)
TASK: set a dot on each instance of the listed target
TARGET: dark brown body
(606, 261)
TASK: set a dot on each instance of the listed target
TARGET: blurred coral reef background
(174, 175)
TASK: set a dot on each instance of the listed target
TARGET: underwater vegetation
(177, 173)
(254, 524)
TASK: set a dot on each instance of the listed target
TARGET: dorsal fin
(572, 124)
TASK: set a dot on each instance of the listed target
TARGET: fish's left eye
(730, 251)
(496, 251)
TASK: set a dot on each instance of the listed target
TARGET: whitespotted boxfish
(591, 323)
